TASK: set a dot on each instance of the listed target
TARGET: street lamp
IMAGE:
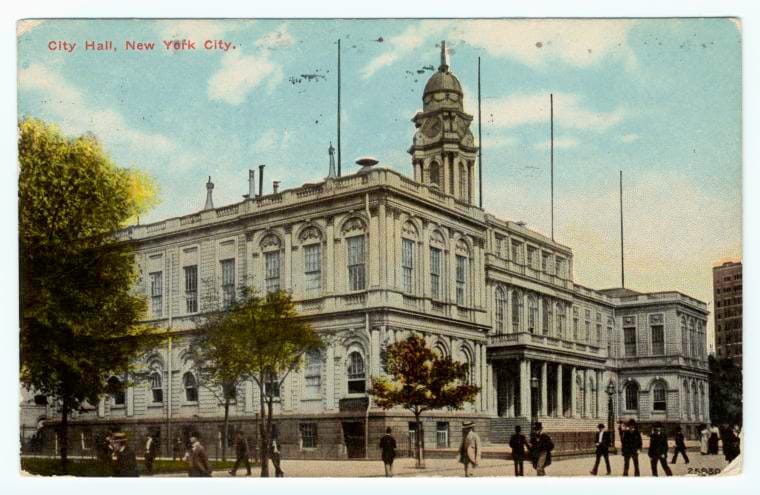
(534, 402)
(611, 411)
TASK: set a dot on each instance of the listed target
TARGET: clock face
(432, 127)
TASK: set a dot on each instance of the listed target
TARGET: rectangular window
(356, 263)
(191, 289)
(659, 403)
(272, 267)
(228, 282)
(461, 279)
(517, 252)
(313, 374)
(629, 339)
(545, 262)
(658, 340)
(532, 257)
(442, 434)
(312, 268)
(308, 435)
(435, 273)
(407, 264)
(559, 269)
(156, 294)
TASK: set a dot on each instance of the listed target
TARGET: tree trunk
(263, 434)
(225, 432)
(63, 436)
(419, 456)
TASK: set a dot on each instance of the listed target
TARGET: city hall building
(375, 256)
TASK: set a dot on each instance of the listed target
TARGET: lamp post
(534, 402)
(611, 410)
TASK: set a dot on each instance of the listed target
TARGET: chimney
(209, 195)
(251, 185)
(275, 186)
(261, 179)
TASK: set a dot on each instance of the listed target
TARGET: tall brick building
(727, 294)
(373, 256)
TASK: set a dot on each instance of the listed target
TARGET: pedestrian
(541, 447)
(178, 448)
(732, 444)
(241, 454)
(704, 439)
(151, 448)
(124, 462)
(680, 447)
(658, 450)
(274, 454)
(518, 442)
(388, 451)
(103, 451)
(631, 444)
(712, 441)
(603, 441)
(196, 458)
(469, 450)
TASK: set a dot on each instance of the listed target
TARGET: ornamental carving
(437, 238)
(270, 241)
(310, 234)
(409, 229)
(463, 248)
(355, 224)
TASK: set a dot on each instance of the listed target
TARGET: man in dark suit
(388, 451)
(198, 465)
(241, 454)
(124, 461)
(680, 447)
(603, 441)
(541, 447)
(151, 449)
(658, 450)
(631, 442)
(518, 443)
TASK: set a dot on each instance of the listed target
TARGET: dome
(443, 81)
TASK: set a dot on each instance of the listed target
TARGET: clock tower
(444, 151)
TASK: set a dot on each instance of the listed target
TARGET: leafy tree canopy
(725, 391)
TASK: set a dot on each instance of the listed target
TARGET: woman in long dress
(704, 438)
(712, 443)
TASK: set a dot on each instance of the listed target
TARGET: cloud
(538, 42)
(498, 141)
(563, 143)
(196, 29)
(26, 25)
(277, 39)
(629, 138)
(403, 44)
(76, 116)
(240, 74)
(272, 140)
(526, 109)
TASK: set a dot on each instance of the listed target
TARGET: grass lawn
(88, 467)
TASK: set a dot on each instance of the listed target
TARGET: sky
(659, 99)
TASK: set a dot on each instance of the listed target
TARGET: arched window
(517, 307)
(357, 378)
(632, 396)
(435, 174)
(686, 406)
(532, 313)
(313, 373)
(409, 231)
(695, 400)
(470, 365)
(501, 306)
(270, 245)
(463, 181)
(547, 317)
(116, 390)
(311, 240)
(659, 397)
(580, 399)
(561, 321)
(684, 337)
(191, 387)
(156, 386)
(440, 350)
(576, 331)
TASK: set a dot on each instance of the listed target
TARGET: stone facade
(374, 256)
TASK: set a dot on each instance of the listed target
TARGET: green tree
(78, 314)
(725, 391)
(420, 380)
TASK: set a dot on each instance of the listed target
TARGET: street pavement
(404, 467)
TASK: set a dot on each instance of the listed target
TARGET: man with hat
(469, 451)
(198, 465)
(631, 442)
(518, 442)
(680, 446)
(541, 447)
(124, 462)
(658, 450)
(603, 442)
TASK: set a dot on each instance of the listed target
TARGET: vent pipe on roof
(261, 179)
(275, 186)
(251, 184)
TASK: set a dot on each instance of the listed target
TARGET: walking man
(518, 443)
(541, 446)
(151, 448)
(680, 447)
(198, 465)
(241, 454)
(124, 460)
(469, 451)
(274, 454)
(388, 451)
(658, 450)
(603, 441)
(631, 442)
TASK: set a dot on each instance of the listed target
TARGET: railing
(548, 341)
(227, 211)
(190, 219)
(354, 299)
(156, 227)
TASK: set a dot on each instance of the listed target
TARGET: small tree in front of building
(420, 380)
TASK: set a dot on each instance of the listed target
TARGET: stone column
(330, 378)
(492, 387)
(287, 258)
(382, 245)
(525, 389)
(373, 251)
(560, 405)
(587, 394)
(544, 398)
(600, 393)
(330, 257)
(573, 393)
(130, 401)
(485, 389)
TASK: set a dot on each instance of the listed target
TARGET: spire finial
(209, 193)
(444, 67)
(331, 171)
